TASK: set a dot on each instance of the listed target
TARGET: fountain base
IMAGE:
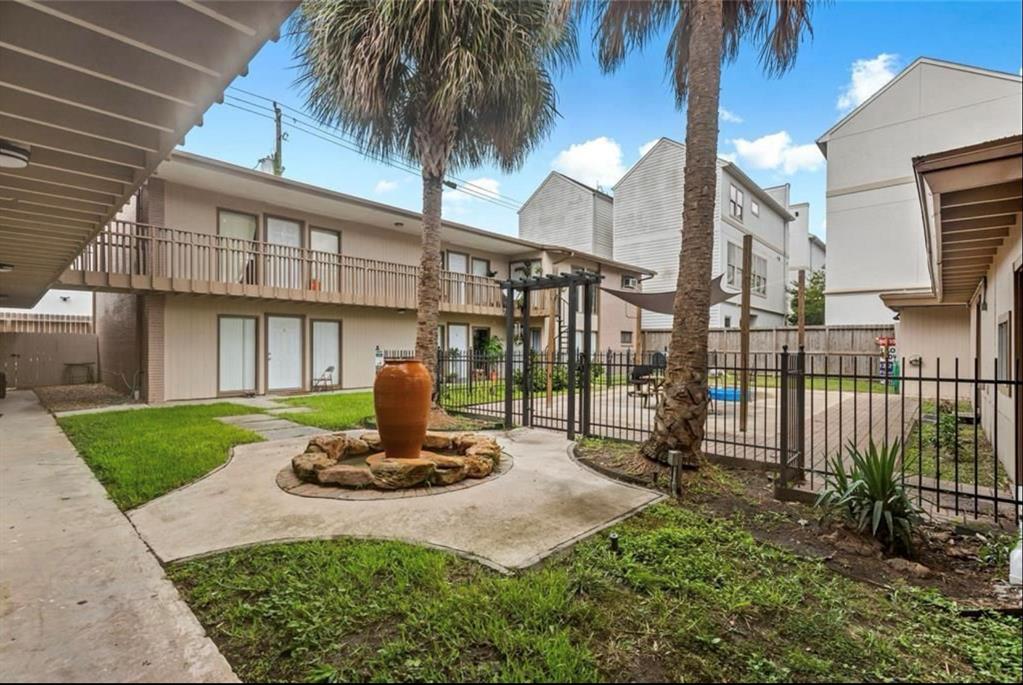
(343, 461)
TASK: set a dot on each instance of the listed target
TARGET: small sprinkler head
(613, 538)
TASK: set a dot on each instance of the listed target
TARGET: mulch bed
(56, 398)
(949, 557)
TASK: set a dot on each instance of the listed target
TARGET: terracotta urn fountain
(401, 398)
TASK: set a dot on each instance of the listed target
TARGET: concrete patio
(545, 503)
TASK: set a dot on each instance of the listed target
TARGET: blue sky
(605, 120)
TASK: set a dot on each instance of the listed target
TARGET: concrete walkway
(545, 503)
(81, 597)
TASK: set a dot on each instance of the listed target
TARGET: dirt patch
(57, 398)
(963, 562)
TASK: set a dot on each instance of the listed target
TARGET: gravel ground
(83, 396)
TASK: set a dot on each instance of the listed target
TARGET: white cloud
(729, 116)
(384, 186)
(777, 152)
(645, 147)
(596, 162)
(868, 76)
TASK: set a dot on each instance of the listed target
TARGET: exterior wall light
(13, 156)
(6, 268)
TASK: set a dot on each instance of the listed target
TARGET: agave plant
(869, 494)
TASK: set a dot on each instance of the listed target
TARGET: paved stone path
(271, 426)
(81, 597)
(545, 503)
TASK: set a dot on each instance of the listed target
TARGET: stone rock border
(317, 473)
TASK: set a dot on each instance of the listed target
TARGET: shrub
(869, 494)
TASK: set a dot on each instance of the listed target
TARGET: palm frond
(775, 27)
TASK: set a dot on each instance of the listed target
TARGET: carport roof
(100, 93)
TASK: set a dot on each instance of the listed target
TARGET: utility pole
(744, 323)
(278, 137)
(801, 308)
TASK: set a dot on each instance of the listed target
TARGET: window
(754, 207)
(758, 282)
(1003, 364)
(736, 199)
(629, 282)
(733, 271)
(237, 231)
(480, 267)
(626, 338)
(728, 322)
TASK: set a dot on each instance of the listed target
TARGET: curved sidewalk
(543, 504)
(81, 597)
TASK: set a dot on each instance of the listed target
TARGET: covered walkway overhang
(93, 96)
(971, 198)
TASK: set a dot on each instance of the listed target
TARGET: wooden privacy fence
(836, 347)
(28, 322)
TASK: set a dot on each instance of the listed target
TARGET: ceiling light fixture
(13, 155)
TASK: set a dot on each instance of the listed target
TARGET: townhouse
(924, 194)
(217, 280)
(641, 223)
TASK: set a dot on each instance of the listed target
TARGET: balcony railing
(131, 256)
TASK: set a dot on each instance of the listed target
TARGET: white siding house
(875, 231)
(648, 232)
(565, 212)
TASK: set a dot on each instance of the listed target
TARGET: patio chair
(325, 381)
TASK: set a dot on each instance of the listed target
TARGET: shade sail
(664, 303)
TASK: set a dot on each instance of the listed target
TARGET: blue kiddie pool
(725, 394)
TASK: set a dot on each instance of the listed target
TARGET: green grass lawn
(690, 598)
(142, 454)
(338, 411)
(935, 456)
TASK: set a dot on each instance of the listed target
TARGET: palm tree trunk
(682, 412)
(428, 296)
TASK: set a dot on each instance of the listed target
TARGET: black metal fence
(956, 427)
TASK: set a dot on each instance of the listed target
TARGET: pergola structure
(93, 96)
(586, 280)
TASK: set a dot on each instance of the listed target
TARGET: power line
(348, 143)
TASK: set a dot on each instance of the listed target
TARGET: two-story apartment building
(648, 231)
(220, 280)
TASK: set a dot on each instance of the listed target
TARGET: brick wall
(117, 326)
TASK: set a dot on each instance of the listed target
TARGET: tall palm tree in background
(703, 35)
(444, 85)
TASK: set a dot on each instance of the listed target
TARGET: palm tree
(443, 85)
(703, 34)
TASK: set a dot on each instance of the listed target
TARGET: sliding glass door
(237, 355)
(326, 367)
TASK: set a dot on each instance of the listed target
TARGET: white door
(284, 352)
(284, 263)
(327, 352)
(237, 355)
